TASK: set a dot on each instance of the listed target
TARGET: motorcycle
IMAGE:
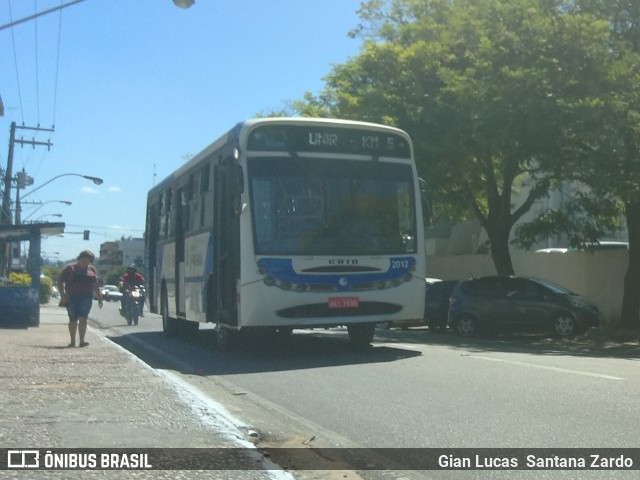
(131, 303)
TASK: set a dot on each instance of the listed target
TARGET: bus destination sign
(302, 138)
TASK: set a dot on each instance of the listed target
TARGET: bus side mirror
(239, 177)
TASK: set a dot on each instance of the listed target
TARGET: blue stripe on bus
(281, 269)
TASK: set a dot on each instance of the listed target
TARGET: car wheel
(466, 326)
(564, 325)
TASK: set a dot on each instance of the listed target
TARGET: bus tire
(169, 325)
(189, 328)
(361, 334)
(225, 338)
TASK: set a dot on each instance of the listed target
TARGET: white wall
(132, 249)
(597, 275)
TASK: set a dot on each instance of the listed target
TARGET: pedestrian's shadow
(53, 347)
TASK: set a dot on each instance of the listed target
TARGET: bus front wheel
(361, 334)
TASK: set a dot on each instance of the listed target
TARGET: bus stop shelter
(19, 304)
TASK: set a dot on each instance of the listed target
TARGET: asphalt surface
(102, 397)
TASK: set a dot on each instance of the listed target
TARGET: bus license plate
(344, 302)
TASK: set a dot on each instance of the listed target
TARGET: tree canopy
(504, 97)
(486, 88)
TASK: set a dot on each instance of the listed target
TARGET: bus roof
(242, 129)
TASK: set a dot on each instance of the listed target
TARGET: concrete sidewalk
(100, 396)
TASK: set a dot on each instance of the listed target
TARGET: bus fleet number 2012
(399, 264)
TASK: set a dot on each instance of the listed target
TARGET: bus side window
(184, 210)
(202, 193)
(163, 215)
(168, 230)
(204, 179)
(153, 221)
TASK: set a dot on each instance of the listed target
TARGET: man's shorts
(79, 307)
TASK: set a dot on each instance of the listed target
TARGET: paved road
(412, 389)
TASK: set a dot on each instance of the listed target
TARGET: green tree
(604, 152)
(611, 161)
(45, 289)
(51, 272)
(488, 90)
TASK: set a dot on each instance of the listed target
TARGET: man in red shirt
(130, 279)
(77, 283)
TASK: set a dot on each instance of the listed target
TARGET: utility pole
(5, 218)
(8, 174)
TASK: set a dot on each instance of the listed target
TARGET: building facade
(120, 254)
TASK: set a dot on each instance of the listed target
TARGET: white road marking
(545, 367)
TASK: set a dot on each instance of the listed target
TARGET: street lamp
(179, 3)
(183, 3)
(48, 215)
(96, 180)
(40, 205)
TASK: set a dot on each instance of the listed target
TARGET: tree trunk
(630, 316)
(500, 254)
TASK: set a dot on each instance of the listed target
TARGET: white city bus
(289, 223)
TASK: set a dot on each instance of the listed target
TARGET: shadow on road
(594, 343)
(198, 355)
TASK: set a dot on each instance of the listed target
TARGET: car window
(485, 287)
(519, 288)
(554, 287)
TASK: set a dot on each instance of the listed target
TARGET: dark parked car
(436, 305)
(431, 305)
(519, 304)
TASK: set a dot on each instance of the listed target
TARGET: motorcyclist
(128, 281)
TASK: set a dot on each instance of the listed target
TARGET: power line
(123, 231)
(44, 12)
(55, 89)
(15, 63)
(35, 29)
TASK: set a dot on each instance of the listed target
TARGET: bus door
(182, 217)
(151, 239)
(228, 182)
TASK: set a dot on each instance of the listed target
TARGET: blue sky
(136, 86)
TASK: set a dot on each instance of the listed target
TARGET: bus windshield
(313, 206)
